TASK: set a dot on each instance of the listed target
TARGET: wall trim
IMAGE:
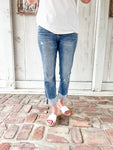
(36, 87)
(70, 92)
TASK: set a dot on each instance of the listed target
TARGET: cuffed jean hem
(52, 101)
(62, 97)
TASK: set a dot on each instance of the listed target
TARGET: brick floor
(23, 123)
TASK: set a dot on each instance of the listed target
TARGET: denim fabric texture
(49, 43)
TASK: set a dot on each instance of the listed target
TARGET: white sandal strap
(64, 109)
(52, 117)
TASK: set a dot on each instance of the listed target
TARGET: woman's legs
(48, 44)
(67, 47)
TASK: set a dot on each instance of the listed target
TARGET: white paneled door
(92, 67)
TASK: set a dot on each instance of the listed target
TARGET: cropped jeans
(49, 43)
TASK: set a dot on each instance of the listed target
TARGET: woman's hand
(86, 1)
(32, 1)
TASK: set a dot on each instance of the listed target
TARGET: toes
(67, 112)
(50, 121)
(53, 123)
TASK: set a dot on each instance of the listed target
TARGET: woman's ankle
(60, 102)
(54, 109)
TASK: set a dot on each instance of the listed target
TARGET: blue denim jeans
(49, 43)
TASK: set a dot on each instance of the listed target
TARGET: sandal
(64, 110)
(52, 118)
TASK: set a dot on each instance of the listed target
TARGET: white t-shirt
(58, 16)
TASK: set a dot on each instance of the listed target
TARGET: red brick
(47, 148)
(85, 147)
(3, 100)
(4, 146)
(13, 101)
(16, 118)
(110, 134)
(34, 101)
(31, 118)
(73, 97)
(106, 148)
(79, 118)
(91, 97)
(60, 130)
(25, 132)
(42, 121)
(11, 132)
(111, 109)
(21, 96)
(92, 114)
(42, 111)
(103, 102)
(75, 123)
(92, 104)
(78, 110)
(2, 95)
(42, 96)
(79, 102)
(16, 108)
(106, 119)
(107, 125)
(8, 95)
(94, 136)
(55, 139)
(81, 105)
(3, 116)
(40, 107)
(106, 112)
(23, 146)
(25, 101)
(1, 133)
(34, 97)
(7, 108)
(2, 129)
(76, 136)
(26, 108)
(3, 126)
(44, 116)
(90, 109)
(35, 111)
(2, 107)
(63, 147)
(38, 133)
(110, 98)
(103, 97)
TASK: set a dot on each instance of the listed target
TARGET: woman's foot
(63, 108)
(52, 119)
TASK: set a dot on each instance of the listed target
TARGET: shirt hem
(58, 32)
